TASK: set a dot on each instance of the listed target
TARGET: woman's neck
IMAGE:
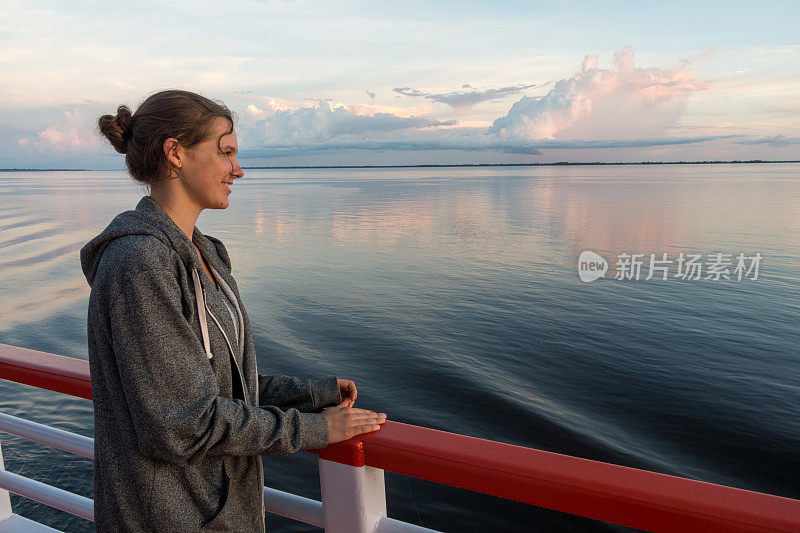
(178, 207)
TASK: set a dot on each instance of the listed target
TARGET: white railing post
(353, 498)
(5, 497)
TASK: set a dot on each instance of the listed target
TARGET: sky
(377, 83)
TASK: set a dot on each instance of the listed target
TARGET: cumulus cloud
(70, 137)
(69, 140)
(253, 113)
(462, 101)
(72, 132)
(621, 107)
(325, 121)
(621, 102)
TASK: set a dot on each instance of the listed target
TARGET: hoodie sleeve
(288, 392)
(172, 393)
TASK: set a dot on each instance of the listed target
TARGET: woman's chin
(221, 203)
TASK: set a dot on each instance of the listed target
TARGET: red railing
(593, 489)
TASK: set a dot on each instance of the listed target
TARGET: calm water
(451, 297)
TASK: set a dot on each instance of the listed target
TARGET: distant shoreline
(559, 164)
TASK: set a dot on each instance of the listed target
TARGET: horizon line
(559, 163)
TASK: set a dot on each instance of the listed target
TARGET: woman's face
(208, 169)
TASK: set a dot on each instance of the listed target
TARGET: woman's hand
(348, 390)
(346, 422)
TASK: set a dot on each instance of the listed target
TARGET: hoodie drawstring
(202, 308)
(201, 312)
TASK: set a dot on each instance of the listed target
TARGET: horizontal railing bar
(593, 489)
(47, 494)
(293, 506)
(68, 375)
(57, 438)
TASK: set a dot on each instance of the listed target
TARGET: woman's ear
(172, 149)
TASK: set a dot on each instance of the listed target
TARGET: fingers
(346, 422)
(348, 390)
(367, 426)
(347, 385)
(366, 429)
(373, 417)
(360, 423)
(356, 416)
(357, 411)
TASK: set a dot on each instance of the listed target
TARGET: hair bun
(117, 129)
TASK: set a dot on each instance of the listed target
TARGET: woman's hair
(184, 115)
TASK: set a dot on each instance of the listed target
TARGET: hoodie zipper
(245, 389)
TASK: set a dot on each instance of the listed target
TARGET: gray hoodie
(181, 415)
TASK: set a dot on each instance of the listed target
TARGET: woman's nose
(237, 170)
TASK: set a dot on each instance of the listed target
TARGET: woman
(181, 415)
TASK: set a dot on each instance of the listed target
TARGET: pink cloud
(624, 101)
(71, 132)
(326, 121)
(254, 113)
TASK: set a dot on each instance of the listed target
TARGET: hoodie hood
(148, 218)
